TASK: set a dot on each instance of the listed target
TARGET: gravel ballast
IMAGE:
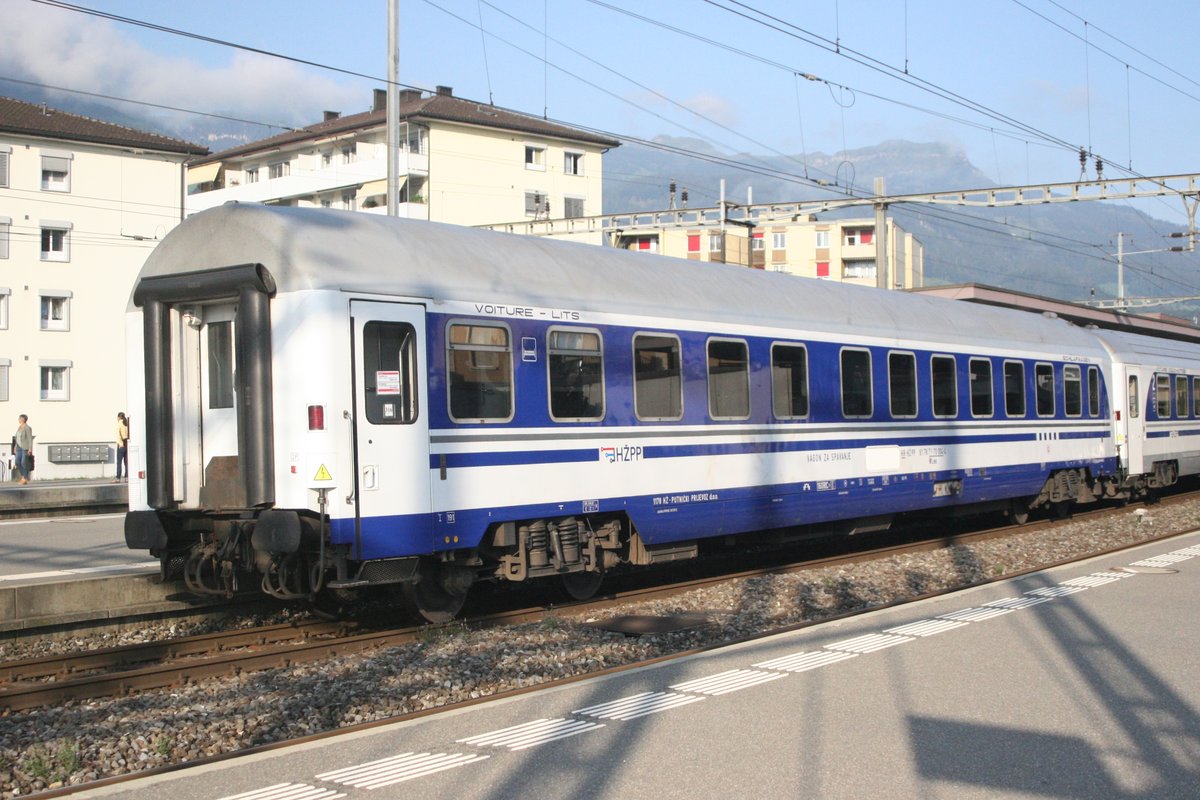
(86, 740)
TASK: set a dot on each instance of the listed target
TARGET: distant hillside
(1062, 251)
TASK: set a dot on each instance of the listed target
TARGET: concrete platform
(1076, 682)
(45, 498)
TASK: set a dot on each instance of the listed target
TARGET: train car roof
(1132, 348)
(322, 249)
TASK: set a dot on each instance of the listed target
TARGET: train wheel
(436, 596)
(1018, 512)
(582, 585)
(335, 604)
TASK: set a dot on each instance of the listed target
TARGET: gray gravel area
(82, 741)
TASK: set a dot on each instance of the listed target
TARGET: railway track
(49, 680)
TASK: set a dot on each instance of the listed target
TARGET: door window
(389, 373)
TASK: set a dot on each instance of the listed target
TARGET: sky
(1018, 85)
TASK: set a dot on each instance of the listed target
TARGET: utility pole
(1122, 304)
(393, 109)
(881, 263)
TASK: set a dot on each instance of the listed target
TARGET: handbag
(29, 458)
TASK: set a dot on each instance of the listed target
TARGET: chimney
(445, 91)
(380, 100)
(409, 95)
(331, 115)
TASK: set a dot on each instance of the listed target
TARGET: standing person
(122, 446)
(23, 444)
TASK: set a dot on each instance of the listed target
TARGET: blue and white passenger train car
(339, 401)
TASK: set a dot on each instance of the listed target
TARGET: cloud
(57, 47)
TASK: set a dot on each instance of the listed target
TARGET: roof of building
(1109, 319)
(442, 106)
(34, 119)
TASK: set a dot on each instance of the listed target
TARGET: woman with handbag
(22, 446)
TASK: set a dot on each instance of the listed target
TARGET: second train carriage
(339, 401)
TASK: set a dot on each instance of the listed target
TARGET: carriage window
(1195, 396)
(220, 364)
(657, 379)
(856, 383)
(945, 391)
(1043, 380)
(1093, 391)
(1134, 410)
(728, 380)
(389, 372)
(789, 381)
(480, 365)
(1162, 398)
(576, 366)
(902, 384)
(1181, 396)
(1072, 391)
(981, 387)
(1014, 388)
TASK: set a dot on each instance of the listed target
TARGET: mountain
(1066, 251)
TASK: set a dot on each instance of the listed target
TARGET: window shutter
(55, 164)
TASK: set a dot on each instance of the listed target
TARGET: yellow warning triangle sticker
(322, 474)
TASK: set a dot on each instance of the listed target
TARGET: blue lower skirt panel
(674, 517)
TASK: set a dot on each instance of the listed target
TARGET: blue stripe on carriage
(527, 457)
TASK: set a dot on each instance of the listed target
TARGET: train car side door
(390, 429)
(1133, 426)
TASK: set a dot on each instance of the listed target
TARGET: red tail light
(316, 418)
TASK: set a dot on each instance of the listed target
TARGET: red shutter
(864, 236)
(822, 269)
(693, 243)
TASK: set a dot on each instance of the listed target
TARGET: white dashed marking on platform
(868, 643)
(288, 791)
(726, 682)
(638, 705)
(802, 662)
(926, 627)
(533, 733)
(396, 769)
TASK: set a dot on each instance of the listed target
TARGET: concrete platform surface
(1077, 682)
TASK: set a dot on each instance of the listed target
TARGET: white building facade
(460, 161)
(82, 203)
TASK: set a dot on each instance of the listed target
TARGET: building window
(856, 236)
(573, 163)
(348, 201)
(572, 207)
(348, 154)
(252, 175)
(822, 238)
(327, 158)
(756, 243)
(714, 242)
(4, 294)
(56, 171)
(535, 157)
(56, 241)
(414, 141)
(5, 366)
(728, 379)
(575, 361)
(5, 227)
(778, 241)
(5, 155)
(55, 380)
(55, 310)
(481, 373)
(536, 203)
(657, 377)
(858, 268)
(280, 169)
(789, 381)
